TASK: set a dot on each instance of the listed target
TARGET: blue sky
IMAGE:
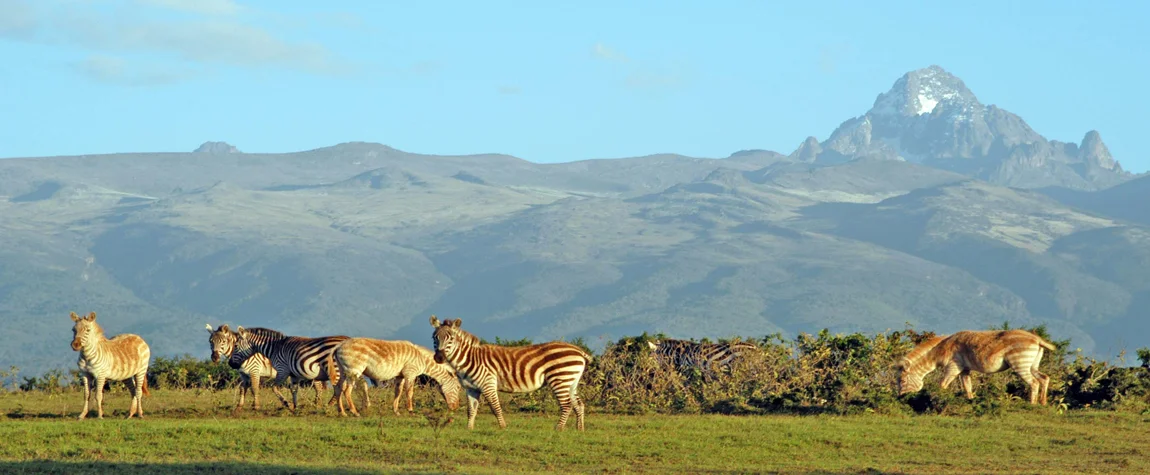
(554, 82)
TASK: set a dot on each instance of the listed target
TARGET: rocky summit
(929, 116)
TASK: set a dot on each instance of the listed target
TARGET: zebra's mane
(266, 332)
(920, 351)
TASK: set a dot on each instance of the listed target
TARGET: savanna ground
(194, 431)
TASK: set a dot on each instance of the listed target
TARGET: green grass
(194, 432)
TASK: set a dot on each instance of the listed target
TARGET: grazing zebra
(683, 354)
(296, 358)
(383, 360)
(988, 351)
(487, 369)
(124, 357)
(251, 366)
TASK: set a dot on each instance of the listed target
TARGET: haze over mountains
(930, 208)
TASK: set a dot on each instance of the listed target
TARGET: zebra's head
(243, 345)
(223, 342)
(447, 338)
(909, 381)
(84, 330)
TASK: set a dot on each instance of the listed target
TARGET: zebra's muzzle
(76, 345)
(215, 357)
(439, 357)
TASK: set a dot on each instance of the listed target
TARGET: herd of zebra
(460, 361)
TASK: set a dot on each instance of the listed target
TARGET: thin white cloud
(509, 90)
(203, 7)
(17, 20)
(640, 74)
(116, 70)
(216, 40)
(605, 52)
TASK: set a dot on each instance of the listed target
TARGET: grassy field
(195, 432)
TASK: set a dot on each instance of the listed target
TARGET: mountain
(929, 116)
(363, 239)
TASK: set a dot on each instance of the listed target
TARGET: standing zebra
(294, 357)
(124, 357)
(383, 360)
(251, 366)
(487, 369)
(988, 351)
(683, 354)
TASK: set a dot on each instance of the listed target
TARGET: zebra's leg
(141, 383)
(563, 397)
(398, 382)
(1031, 381)
(337, 395)
(295, 394)
(241, 391)
(580, 410)
(410, 393)
(100, 397)
(491, 392)
(366, 395)
(967, 384)
(347, 394)
(1043, 381)
(255, 393)
(134, 390)
(472, 406)
(949, 373)
(87, 396)
(317, 385)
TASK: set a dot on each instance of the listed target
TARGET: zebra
(487, 369)
(683, 354)
(988, 351)
(252, 367)
(382, 360)
(123, 357)
(294, 357)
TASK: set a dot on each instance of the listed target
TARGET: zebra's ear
(434, 321)
(225, 328)
(91, 316)
(457, 322)
(210, 328)
(239, 329)
(75, 318)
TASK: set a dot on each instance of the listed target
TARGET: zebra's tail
(144, 387)
(332, 372)
(1046, 344)
(587, 356)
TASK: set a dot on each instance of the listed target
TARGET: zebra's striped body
(982, 351)
(124, 357)
(683, 355)
(484, 370)
(383, 360)
(296, 358)
(252, 366)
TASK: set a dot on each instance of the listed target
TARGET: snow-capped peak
(919, 92)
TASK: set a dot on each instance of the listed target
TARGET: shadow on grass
(48, 466)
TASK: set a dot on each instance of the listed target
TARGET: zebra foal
(383, 360)
(252, 366)
(484, 370)
(988, 351)
(123, 357)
